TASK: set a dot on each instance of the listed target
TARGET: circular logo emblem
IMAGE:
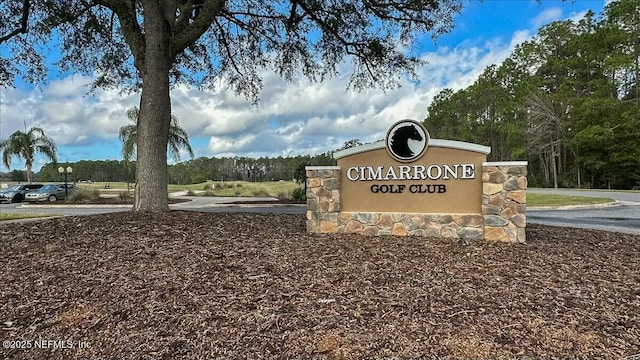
(407, 140)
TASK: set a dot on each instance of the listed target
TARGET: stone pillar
(323, 198)
(504, 201)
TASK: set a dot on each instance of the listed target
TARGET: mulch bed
(185, 285)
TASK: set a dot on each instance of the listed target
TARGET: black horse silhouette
(400, 140)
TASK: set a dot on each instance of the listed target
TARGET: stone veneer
(504, 201)
(323, 198)
(502, 218)
(453, 226)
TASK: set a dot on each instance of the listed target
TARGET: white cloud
(292, 118)
(546, 17)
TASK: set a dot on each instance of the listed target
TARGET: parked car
(50, 192)
(17, 193)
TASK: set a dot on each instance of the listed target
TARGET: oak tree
(154, 44)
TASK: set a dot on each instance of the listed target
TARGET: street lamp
(66, 171)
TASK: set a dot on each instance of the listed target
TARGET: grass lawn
(16, 216)
(563, 200)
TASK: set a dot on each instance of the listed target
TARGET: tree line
(568, 101)
(187, 172)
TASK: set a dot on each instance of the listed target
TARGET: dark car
(50, 192)
(17, 193)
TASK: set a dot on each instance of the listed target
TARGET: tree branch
(126, 12)
(191, 33)
(225, 44)
(24, 25)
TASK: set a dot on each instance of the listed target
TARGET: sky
(290, 119)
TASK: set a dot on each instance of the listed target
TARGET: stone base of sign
(504, 201)
(452, 226)
(502, 217)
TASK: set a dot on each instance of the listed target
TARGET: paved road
(197, 203)
(623, 217)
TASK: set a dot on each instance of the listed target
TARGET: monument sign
(410, 184)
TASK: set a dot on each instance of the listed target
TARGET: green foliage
(128, 134)
(298, 194)
(350, 143)
(17, 175)
(195, 171)
(94, 170)
(26, 145)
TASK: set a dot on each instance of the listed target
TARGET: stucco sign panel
(410, 173)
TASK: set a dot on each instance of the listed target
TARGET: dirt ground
(185, 285)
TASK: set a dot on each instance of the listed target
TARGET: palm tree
(25, 145)
(178, 137)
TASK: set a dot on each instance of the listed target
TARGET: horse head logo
(398, 138)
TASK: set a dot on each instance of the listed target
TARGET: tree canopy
(26, 145)
(151, 44)
(568, 101)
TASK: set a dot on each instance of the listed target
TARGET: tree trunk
(554, 169)
(155, 116)
(29, 172)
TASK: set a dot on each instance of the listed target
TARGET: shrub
(298, 194)
(81, 196)
(208, 193)
(260, 192)
(124, 196)
(208, 187)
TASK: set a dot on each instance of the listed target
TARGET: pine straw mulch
(185, 285)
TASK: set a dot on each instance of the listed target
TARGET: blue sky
(291, 118)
